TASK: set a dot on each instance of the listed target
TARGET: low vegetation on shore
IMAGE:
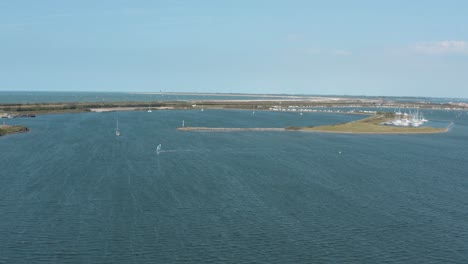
(370, 125)
(46, 108)
(5, 129)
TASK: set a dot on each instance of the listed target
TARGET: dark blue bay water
(71, 192)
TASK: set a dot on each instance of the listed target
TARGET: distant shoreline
(285, 96)
(257, 104)
(365, 126)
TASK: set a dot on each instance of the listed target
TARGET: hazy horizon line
(232, 93)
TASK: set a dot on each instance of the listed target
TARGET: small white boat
(117, 131)
(158, 149)
(149, 109)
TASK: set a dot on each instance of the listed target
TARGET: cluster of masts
(404, 119)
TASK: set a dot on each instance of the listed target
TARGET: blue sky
(407, 48)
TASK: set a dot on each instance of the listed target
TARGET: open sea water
(23, 97)
(73, 192)
(28, 97)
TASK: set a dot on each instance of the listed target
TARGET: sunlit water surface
(73, 192)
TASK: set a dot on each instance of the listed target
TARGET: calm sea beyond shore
(71, 191)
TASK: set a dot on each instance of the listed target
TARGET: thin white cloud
(341, 52)
(313, 51)
(10, 26)
(446, 47)
(329, 52)
(295, 37)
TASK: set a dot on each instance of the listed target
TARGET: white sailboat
(117, 131)
(149, 109)
(158, 149)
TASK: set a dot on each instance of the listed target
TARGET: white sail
(117, 131)
(158, 149)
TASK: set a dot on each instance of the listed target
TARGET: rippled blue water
(71, 192)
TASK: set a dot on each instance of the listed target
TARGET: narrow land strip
(230, 129)
(369, 125)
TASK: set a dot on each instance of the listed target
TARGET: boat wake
(175, 150)
(450, 126)
(159, 150)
